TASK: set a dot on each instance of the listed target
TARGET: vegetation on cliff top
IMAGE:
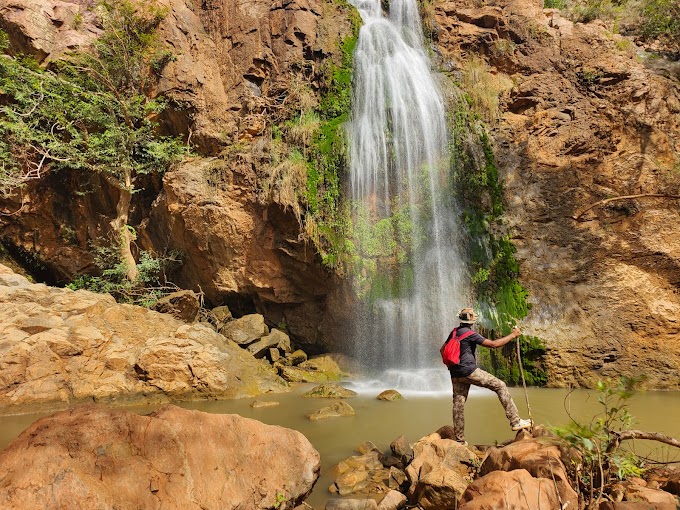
(91, 113)
(650, 20)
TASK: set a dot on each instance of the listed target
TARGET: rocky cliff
(61, 347)
(583, 116)
(236, 69)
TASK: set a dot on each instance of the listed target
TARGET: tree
(92, 112)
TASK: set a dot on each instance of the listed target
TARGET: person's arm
(495, 344)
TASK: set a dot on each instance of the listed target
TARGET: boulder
(366, 447)
(393, 500)
(397, 479)
(94, 457)
(538, 458)
(367, 462)
(61, 347)
(182, 305)
(299, 375)
(351, 504)
(638, 492)
(402, 450)
(329, 391)
(276, 338)
(351, 481)
(245, 330)
(274, 354)
(439, 472)
(296, 357)
(390, 396)
(319, 369)
(636, 505)
(512, 489)
(334, 410)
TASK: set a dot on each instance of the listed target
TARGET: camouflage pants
(461, 386)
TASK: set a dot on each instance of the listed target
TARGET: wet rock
(512, 489)
(402, 449)
(393, 500)
(296, 357)
(352, 481)
(367, 462)
(397, 479)
(330, 390)
(390, 395)
(245, 330)
(391, 460)
(334, 410)
(257, 404)
(325, 365)
(182, 305)
(275, 338)
(61, 347)
(351, 504)
(94, 457)
(366, 447)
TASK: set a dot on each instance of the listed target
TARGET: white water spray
(399, 166)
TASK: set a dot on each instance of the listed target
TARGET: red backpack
(451, 349)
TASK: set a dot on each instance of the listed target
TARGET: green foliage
(600, 463)
(92, 112)
(553, 4)
(495, 270)
(150, 285)
(661, 19)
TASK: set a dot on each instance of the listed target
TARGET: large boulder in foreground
(514, 489)
(59, 347)
(94, 457)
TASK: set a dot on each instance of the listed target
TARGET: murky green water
(381, 422)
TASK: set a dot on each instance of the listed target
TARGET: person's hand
(516, 332)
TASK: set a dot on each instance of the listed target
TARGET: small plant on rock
(599, 461)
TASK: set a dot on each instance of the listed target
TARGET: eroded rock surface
(93, 457)
(59, 347)
(586, 117)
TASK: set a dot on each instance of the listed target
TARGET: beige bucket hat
(468, 316)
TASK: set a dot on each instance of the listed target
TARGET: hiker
(465, 372)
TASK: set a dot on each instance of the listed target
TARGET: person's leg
(460, 393)
(484, 379)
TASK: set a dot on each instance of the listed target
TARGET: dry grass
(285, 182)
(484, 88)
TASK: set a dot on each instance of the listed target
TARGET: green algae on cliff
(495, 271)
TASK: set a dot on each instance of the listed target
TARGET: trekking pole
(524, 383)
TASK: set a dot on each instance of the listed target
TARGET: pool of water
(416, 416)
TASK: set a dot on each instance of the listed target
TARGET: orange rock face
(94, 457)
(586, 117)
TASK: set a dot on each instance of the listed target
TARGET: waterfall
(408, 237)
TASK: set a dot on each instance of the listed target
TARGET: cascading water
(404, 215)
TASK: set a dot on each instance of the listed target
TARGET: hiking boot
(462, 443)
(523, 424)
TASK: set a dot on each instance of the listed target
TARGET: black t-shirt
(468, 347)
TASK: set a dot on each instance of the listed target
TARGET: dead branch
(640, 434)
(578, 215)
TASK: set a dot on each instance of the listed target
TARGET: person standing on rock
(465, 373)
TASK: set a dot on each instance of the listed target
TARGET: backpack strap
(464, 335)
